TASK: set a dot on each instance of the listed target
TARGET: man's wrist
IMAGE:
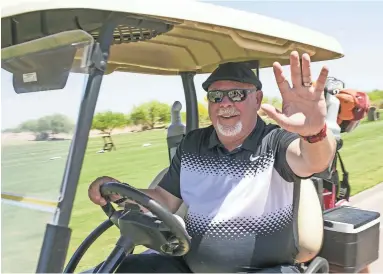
(317, 137)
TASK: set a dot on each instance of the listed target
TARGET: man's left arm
(303, 112)
(306, 159)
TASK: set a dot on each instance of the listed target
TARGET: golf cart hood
(168, 37)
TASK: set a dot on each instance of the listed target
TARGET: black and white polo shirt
(240, 203)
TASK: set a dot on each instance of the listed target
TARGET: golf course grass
(29, 169)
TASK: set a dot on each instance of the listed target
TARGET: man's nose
(226, 102)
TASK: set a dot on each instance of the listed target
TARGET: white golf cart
(43, 43)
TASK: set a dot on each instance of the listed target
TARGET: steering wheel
(160, 231)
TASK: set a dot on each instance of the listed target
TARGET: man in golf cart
(237, 176)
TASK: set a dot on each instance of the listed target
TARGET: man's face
(234, 119)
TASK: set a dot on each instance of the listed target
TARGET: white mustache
(228, 112)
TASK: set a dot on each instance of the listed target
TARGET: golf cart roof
(168, 37)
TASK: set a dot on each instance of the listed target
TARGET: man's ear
(259, 96)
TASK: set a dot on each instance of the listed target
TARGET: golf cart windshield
(37, 129)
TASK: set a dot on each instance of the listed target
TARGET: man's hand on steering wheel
(176, 244)
(96, 197)
(94, 190)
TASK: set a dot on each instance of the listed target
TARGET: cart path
(371, 199)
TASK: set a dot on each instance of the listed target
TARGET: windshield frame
(57, 235)
(24, 58)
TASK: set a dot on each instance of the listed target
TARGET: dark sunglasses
(235, 95)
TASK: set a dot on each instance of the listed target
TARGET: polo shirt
(240, 203)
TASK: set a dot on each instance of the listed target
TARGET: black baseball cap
(238, 72)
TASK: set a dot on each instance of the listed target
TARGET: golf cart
(44, 43)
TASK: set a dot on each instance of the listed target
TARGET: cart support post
(191, 101)
(53, 253)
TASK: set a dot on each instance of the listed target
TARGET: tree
(163, 113)
(48, 125)
(139, 116)
(57, 123)
(107, 121)
(151, 113)
(376, 98)
(157, 112)
(203, 114)
(30, 125)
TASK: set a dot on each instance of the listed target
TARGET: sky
(356, 25)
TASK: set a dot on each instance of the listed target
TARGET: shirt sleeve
(171, 180)
(280, 140)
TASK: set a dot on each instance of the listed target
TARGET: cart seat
(309, 218)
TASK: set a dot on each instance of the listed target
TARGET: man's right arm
(167, 193)
(171, 202)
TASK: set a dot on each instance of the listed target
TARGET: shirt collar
(250, 142)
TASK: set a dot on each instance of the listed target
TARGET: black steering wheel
(162, 232)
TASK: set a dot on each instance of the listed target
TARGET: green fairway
(27, 169)
(362, 154)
